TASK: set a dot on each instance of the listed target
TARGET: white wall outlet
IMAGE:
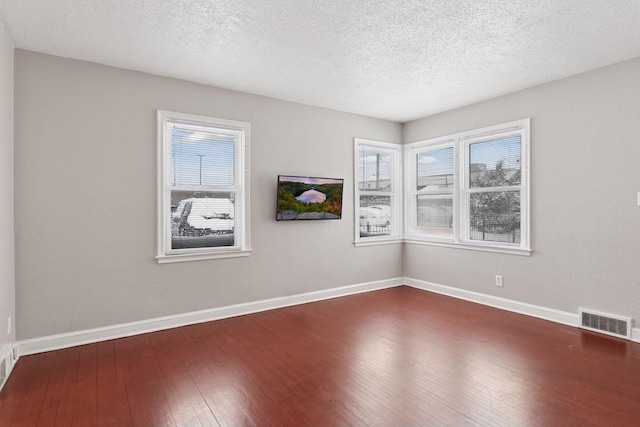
(9, 325)
(498, 280)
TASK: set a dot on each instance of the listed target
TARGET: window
(202, 190)
(471, 189)
(377, 192)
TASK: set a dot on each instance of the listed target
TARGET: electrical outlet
(499, 281)
(9, 325)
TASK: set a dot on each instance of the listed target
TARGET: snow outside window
(202, 187)
(378, 192)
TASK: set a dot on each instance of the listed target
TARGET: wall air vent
(617, 326)
(3, 372)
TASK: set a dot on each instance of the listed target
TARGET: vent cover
(3, 371)
(617, 326)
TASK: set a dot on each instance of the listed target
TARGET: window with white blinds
(202, 187)
(471, 189)
(493, 189)
(433, 190)
(378, 191)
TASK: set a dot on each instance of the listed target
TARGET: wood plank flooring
(396, 357)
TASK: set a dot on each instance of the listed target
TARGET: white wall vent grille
(3, 372)
(617, 326)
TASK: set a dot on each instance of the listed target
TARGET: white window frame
(461, 192)
(412, 193)
(241, 186)
(396, 193)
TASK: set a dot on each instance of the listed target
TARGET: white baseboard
(566, 318)
(71, 339)
(545, 313)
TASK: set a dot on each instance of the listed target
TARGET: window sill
(391, 241)
(166, 259)
(472, 247)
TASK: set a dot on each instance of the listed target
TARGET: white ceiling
(394, 59)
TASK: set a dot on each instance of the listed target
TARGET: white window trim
(243, 246)
(396, 194)
(460, 142)
(410, 151)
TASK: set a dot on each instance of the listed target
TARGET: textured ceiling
(394, 59)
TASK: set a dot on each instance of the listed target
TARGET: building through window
(378, 191)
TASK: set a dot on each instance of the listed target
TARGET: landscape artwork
(309, 198)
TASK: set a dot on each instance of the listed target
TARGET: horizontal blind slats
(201, 157)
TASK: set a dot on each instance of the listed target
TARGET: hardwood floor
(396, 357)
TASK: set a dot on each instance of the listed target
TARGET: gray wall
(585, 173)
(85, 180)
(7, 283)
(85, 176)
